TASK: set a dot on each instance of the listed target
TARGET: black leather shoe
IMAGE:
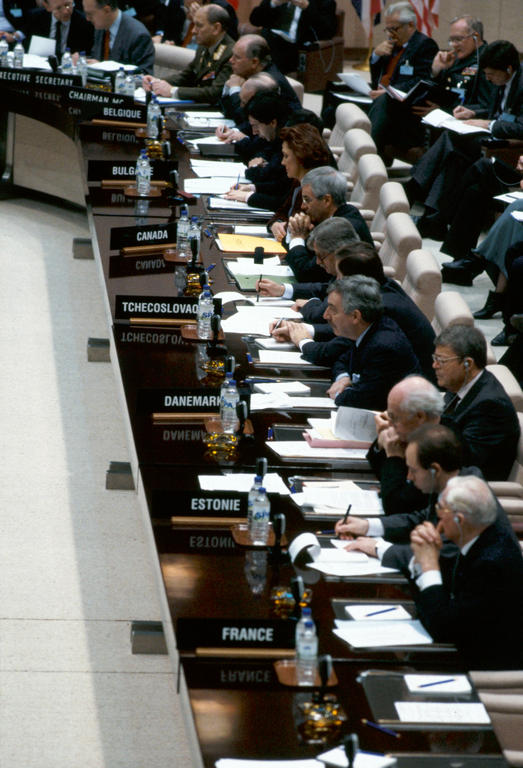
(461, 271)
(495, 302)
(516, 321)
(500, 340)
(431, 226)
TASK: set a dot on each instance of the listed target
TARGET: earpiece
(466, 364)
(432, 471)
(456, 519)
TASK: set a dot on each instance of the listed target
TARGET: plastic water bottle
(261, 513)
(182, 233)
(180, 279)
(4, 50)
(67, 62)
(153, 114)
(143, 174)
(19, 56)
(253, 493)
(306, 649)
(129, 85)
(205, 312)
(119, 81)
(229, 399)
(195, 234)
(81, 67)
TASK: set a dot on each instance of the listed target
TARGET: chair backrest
(356, 143)
(372, 175)
(392, 200)
(171, 58)
(297, 87)
(498, 680)
(401, 237)
(506, 712)
(450, 308)
(510, 384)
(347, 116)
(422, 281)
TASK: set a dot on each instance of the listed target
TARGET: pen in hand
(237, 186)
(277, 326)
(258, 291)
(346, 514)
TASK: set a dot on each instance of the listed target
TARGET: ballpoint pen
(258, 292)
(436, 682)
(381, 728)
(346, 514)
(237, 185)
(382, 610)
(277, 324)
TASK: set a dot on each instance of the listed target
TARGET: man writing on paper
(381, 354)
(60, 21)
(401, 60)
(203, 79)
(117, 36)
(474, 600)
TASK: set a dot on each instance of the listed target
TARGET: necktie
(105, 49)
(391, 66)
(452, 404)
(58, 46)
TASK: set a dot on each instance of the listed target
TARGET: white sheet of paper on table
(351, 568)
(381, 634)
(255, 230)
(301, 449)
(339, 498)
(338, 757)
(361, 613)
(274, 357)
(229, 762)
(356, 82)
(264, 301)
(215, 186)
(290, 387)
(241, 482)
(444, 684)
(272, 343)
(456, 713)
(232, 205)
(337, 555)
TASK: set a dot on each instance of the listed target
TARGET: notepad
(290, 387)
(273, 357)
(251, 229)
(215, 186)
(352, 568)
(233, 243)
(338, 757)
(229, 762)
(381, 634)
(460, 713)
(269, 301)
(377, 612)
(438, 118)
(272, 343)
(431, 685)
(203, 168)
(356, 82)
(337, 499)
(299, 449)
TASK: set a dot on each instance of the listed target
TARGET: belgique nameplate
(235, 633)
(122, 170)
(91, 104)
(205, 400)
(153, 234)
(199, 504)
(184, 307)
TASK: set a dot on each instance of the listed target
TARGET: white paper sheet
(355, 424)
(335, 555)
(290, 387)
(510, 197)
(380, 634)
(272, 482)
(215, 186)
(301, 449)
(274, 357)
(363, 502)
(112, 66)
(267, 269)
(375, 612)
(41, 46)
(209, 168)
(431, 685)
(229, 762)
(356, 82)
(272, 343)
(351, 568)
(338, 757)
(269, 301)
(438, 118)
(208, 122)
(251, 229)
(459, 713)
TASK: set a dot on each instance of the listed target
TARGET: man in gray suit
(118, 36)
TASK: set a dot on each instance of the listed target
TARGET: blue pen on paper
(382, 610)
(210, 267)
(330, 532)
(254, 380)
(436, 682)
(249, 357)
(237, 186)
(381, 728)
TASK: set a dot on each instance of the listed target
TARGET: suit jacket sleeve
(397, 495)
(503, 129)
(207, 94)
(325, 352)
(303, 264)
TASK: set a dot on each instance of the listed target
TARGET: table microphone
(259, 254)
(325, 671)
(297, 590)
(351, 746)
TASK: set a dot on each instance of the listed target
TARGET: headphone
(432, 471)
(466, 365)
(456, 519)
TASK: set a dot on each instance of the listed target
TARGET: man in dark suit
(250, 56)
(289, 24)
(476, 599)
(439, 179)
(203, 79)
(324, 194)
(476, 405)
(118, 37)
(14, 19)
(400, 61)
(381, 354)
(60, 21)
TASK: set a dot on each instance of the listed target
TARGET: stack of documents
(336, 561)
(300, 449)
(256, 319)
(511, 197)
(283, 401)
(209, 168)
(348, 428)
(455, 713)
(334, 499)
(217, 185)
(381, 634)
(234, 243)
(440, 119)
(338, 757)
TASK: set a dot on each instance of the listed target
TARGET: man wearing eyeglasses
(476, 405)
(401, 60)
(60, 21)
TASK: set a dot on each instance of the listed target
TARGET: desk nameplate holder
(155, 310)
(236, 638)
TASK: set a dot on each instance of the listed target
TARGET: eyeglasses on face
(442, 360)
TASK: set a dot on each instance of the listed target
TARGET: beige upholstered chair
(423, 280)
(170, 59)
(498, 681)
(372, 175)
(510, 384)
(401, 237)
(356, 143)
(297, 87)
(513, 486)
(450, 308)
(506, 713)
(392, 200)
(347, 116)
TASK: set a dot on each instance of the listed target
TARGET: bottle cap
(258, 478)
(306, 612)
(232, 381)
(261, 489)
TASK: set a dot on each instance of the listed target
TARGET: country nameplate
(148, 337)
(92, 104)
(139, 266)
(152, 234)
(204, 400)
(235, 633)
(163, 307)
(125, 170)
(203, 540)
(197, 503)
(249, 674)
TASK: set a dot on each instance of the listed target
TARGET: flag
(369, 12)
(427, 14)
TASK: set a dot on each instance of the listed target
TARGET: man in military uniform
(204, 78)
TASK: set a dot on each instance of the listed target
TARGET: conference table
(241, 702)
